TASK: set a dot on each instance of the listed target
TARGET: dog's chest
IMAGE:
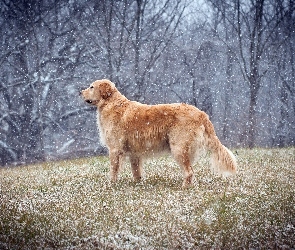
(101, 130)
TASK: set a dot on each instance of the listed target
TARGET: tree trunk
(109, 40)
(252, 116)
(227, 95)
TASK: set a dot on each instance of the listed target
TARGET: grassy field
(71, 205)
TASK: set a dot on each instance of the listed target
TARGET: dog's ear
(106, 90)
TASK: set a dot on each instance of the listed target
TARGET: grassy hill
(71, 205)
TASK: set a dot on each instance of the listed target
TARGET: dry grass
(71, 205)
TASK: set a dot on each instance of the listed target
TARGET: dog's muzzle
(81, 94)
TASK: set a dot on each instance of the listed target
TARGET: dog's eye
(91, 87)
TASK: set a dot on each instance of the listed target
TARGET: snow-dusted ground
(72, 205)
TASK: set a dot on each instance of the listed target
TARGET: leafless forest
(234, 59)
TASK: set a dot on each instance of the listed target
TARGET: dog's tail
(222, 159)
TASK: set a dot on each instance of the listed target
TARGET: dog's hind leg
(136, 167)
(183, 158)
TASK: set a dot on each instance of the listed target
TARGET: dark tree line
(233, 59)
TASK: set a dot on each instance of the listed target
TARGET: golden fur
(136, 130)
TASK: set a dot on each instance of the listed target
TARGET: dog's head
(98, 91)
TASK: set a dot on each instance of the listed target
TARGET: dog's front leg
(115, 159)
(136, 167)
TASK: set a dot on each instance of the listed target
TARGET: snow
(190, 54)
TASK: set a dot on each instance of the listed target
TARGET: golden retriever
(136, 130)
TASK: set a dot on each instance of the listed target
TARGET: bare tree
(285, 61)
(198, 66)
(253, 24)
(42, 56)
(133, 34)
